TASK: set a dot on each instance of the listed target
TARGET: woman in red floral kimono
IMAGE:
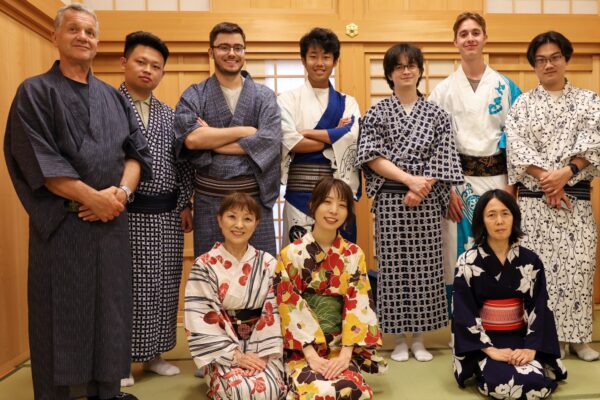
(327, 319)
(231, 317)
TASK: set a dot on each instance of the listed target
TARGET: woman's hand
(315, 362)
(498, 354)
(249, 361)
(339, 364)
(521, 357)
(455, 207)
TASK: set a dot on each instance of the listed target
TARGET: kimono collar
(316, 252)
(486, 72)
(567, 89)
(55, 70)
(123, 89)
(245, 104)
(220, 249)
(493, 265)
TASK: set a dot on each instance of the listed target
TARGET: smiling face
(76, 38)
(470, 39)
(405, 74)
(498, 220)
(228, 62)
(319, 66)
(331, 213)
(143, 68)
(237, 225)
(550, 66)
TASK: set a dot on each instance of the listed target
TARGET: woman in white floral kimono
(504, 332)
(231, 317)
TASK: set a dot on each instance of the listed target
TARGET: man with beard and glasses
(229, 128)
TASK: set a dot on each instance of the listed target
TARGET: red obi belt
(502, 315)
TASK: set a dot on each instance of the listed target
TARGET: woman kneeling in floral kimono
(504, 332)
(330, 329)
(231, 316)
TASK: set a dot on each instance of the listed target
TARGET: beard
(225, 71)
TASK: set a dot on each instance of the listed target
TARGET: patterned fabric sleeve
(587, 144)
(521, 150)
(264, 147)
(371, 146)
(299, 325)
(266, 337)
(469, 334)
(444, 164)
(185, 183)
(209, 332)
(359, 322)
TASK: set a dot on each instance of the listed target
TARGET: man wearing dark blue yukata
(75, 156)
(229, 128)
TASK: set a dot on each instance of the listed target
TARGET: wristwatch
(574, 168)
(128, 193)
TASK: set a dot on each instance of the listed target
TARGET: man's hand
(521, 357)
(344, 122)
(553, 182)
(455, 207)
(104, 205)
(420, 185)
(555, 201)
(411, 199)
(339, 364)
(187, 222)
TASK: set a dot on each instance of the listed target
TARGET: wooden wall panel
(24, 53)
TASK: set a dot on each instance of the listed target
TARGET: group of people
(107, 177)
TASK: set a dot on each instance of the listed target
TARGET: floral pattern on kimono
(304, 268)
(218, 283)
(480, 276)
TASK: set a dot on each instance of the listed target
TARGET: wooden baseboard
(12, 364)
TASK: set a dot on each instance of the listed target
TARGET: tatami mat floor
(410, 380)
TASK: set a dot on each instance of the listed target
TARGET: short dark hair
(141, 38)
(323, 38)
(479, 230)
(322, 189)
(225, 27)
(413, 54)
(565, 46)
(239, 201)
(465, 16)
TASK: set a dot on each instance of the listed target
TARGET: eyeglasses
(226, 48)
(402, 67)
(553, 59)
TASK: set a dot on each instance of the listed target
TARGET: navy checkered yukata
(410, 287)
(156, 236)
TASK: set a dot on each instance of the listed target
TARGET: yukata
(313, 108)
(410, 279)
(216, 175)
(504, 306)
(478, 122)
(547, 132)
(156, 236)
(324, 301)
(230, 304)
(79, 276)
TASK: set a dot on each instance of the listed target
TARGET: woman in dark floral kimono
(330, 331)
(504, 332)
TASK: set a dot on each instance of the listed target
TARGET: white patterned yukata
(548, 133)
(218, 285)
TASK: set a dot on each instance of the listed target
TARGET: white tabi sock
(126, 382)
(161, 367)
(419, 350)
(400, 352)
(584, 351)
